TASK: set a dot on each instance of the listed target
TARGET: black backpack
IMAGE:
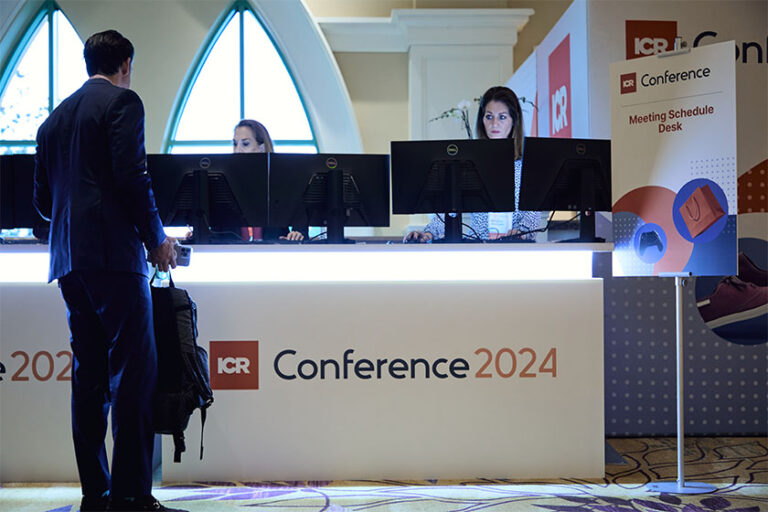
(183, 384)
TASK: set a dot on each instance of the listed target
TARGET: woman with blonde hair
(252, 137)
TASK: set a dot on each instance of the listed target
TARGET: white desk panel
(507, 373)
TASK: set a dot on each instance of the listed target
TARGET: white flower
(460, 113)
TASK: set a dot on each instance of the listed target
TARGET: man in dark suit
(91, 181)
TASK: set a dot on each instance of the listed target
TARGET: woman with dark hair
(252, 137)
(498, 117)
(498, 114)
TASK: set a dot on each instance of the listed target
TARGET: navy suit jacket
(91, 181)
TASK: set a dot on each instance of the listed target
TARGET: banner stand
(673, 142)
(680, 486)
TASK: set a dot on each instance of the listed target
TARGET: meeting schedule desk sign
(347, 362)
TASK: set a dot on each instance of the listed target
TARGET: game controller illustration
(649, 239)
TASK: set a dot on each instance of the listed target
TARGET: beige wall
(378, 86)
(547, 14)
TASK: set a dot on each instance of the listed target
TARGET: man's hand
(164, 255)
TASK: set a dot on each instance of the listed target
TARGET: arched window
(45, 67)
(239, 74)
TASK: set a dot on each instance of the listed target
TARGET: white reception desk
(347, 362)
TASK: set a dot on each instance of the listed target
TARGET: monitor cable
(474, 236)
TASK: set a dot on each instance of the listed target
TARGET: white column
(454, 54)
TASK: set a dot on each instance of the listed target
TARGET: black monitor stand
(452, 219)
(586, 230)
(337, 214)
(201, 207)
(453, 228)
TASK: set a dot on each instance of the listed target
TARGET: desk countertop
(375, 262)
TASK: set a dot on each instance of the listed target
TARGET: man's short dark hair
(105, 51)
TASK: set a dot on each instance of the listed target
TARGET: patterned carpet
(737, 466)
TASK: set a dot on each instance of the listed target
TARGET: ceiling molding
(436, 27)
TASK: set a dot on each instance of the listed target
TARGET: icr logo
(650, 46)
(230, 365)
(235, 364)
(560, 109)
(646, 37)
(628, 83)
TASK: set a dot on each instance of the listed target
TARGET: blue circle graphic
(682, 196)
(650, 243)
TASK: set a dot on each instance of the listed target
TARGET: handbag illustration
(701, 210)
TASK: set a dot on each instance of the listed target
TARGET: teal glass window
(47, 66)
(240, 74)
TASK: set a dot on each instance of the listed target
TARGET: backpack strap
(178, 446)
(203, 414)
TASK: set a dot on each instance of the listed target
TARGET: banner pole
(679, 283)
(680, 486)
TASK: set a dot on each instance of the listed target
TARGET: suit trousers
(114, 364)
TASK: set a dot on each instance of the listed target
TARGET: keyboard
(513, 240)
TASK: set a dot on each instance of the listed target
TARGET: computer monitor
(567, 175)
(452, 177)
(215, 194)
(16, 187)
(331, 190)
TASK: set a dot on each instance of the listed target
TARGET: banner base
(685, 488)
